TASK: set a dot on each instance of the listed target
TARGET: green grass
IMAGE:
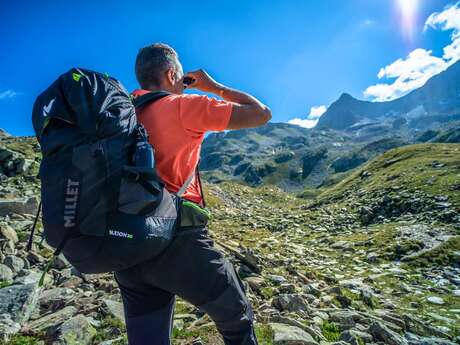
(4, 284)
(23, 340)
(330, 331)
(110, 328)
(408, 166)
(264, 334)
(443, 255)
(204, 332)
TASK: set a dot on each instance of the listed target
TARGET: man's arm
(247, 111)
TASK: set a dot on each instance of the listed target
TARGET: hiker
(190, 267)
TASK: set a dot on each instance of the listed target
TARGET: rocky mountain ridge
(349, 134)
(437, 100)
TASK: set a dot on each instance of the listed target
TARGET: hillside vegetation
(374, 258)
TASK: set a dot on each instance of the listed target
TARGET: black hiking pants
(194, 270)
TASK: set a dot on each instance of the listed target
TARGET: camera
(188, 80)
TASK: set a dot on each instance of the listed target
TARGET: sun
(407, 12)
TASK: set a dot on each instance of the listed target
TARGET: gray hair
(152, 61)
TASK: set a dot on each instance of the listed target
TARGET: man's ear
(171, 75)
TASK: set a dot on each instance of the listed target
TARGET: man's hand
(247, 111)
(202, 81)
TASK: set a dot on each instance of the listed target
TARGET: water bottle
(143, 156)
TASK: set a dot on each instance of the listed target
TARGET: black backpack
(101, 210)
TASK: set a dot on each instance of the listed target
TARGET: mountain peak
(345, 96)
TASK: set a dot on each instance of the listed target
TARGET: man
(190, 267)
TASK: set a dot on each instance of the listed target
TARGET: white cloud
(9, 94)
(410, 73)
(449, 19)
(316, 112)
(420, 65)
(312, 119)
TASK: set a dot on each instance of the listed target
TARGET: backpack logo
(120, 234)
(47, 108)
(76, 76)
(70, 206)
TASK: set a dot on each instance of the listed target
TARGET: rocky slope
(374, 259)
(277, 153)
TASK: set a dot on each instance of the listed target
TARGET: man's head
(158, 67)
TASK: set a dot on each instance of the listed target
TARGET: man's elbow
(266, 115)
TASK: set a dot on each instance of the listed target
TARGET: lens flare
(407, 12)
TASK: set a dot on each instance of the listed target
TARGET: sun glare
(407, 11)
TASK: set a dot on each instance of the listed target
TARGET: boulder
(255, 282)
(382, 333)
(435, 300)
(52, 320)
(355, 337)
(290, 302)
(6, 274)
(76, 330)
(114, 308)
(290, 335)
(15, 263)
(345, 319)
(56, 298)
(8, 232)
(19, 206)
(19, 301)
(8, 327)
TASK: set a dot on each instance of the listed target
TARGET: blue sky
(293, 55)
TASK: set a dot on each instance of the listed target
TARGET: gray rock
(341, 245)
(14, 262)
(355, 337)
(8, 327)
(23, 165)
(32, 277)
(416, 340)
(287, 288)
(290, 302)
(345, 319)
(77, 330)
(6, 274)
(112, 341)
(6, 154)
(19, 301)
(60, 262)
(290, 335)
(20, 206)
(56, 298)
(373, 258)
(276, 279)
(256, 283)
(8, 232)
(382, 333)
(52, 320)
(114, 308)
(435, 300)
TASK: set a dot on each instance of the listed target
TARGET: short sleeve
(201, 113)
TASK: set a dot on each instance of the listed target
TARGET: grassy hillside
(431, 168)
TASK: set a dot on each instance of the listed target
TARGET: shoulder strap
(149, 98)
(187, 182)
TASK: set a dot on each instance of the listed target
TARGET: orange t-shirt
(176, 125)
